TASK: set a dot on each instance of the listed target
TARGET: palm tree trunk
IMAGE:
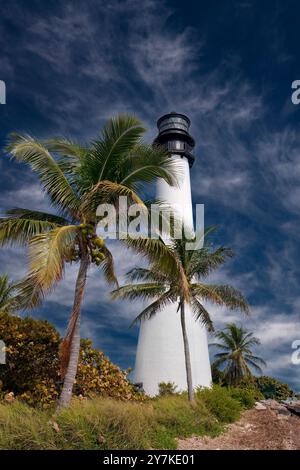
(71, 371)
(187, 356)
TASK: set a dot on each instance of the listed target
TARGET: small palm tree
(7, 294)
(184, 284)
(236, 356)
(77, 179)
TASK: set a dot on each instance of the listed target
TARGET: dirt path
(256, 430)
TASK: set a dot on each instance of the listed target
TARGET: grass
(105, 423)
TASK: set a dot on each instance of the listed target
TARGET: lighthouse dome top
(173, 121)
(173, 134)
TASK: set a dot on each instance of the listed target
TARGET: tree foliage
(236, 356)
(7, 293)
(273, 388)
(32, 369)
(181, 282)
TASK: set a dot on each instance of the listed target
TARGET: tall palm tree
(7, 294)
(184, 284)
(236, 356)
(77, 179)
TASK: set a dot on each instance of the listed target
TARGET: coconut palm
(183, 285)
(236, 353)
(77, 179)
(7, 294)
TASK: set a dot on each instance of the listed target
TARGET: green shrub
(272, 388)
(219, 402)
(266, 387)
(246, 396)
(32, 370)
(166, 388)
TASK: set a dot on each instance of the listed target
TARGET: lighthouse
(160, 350)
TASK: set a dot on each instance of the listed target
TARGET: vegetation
(183, 285)
(220, 402)
(77, 179)
(247, 396)
(7, 294)
(272, 388)
(236, 354)
(166, 388)
(106, 423)
(265, 387)
(32, 371)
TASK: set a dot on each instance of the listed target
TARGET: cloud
(28, 196)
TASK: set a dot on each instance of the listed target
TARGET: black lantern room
(174, 135)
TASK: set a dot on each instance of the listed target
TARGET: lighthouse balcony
(181, 148)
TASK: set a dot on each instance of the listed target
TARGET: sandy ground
(256, 430)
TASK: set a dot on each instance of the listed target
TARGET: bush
(217, 375)
(32, 370)
(272, 388)
(266, 387)
(166, 388)
(246, 396)
(97, 375)
(219, 401)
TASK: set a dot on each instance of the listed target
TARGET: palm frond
(139, 291)
(204, 261)
(118, 138)
(47, 253)
(153, 250)
(20, 225)
(201, 314)
(220, 346)
(253, 358)
(7, 294)
(156, 306)
(107, 192)
(53, 180)
(29, 294)
(218, 362)
(254, 364)
(143, 274)
(222, 295)
(71, 155)
(145, 164)
(67, 148)
(108, 268)
(21, 213)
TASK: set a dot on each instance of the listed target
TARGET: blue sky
(229, 65)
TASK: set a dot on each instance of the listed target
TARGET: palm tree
(77, 179)
(7, 294)
(184, 284)
(236, 356)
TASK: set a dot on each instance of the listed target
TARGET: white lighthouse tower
(160, 350)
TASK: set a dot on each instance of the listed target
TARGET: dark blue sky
(229, 65)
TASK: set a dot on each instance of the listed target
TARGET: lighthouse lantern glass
(174, 123)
